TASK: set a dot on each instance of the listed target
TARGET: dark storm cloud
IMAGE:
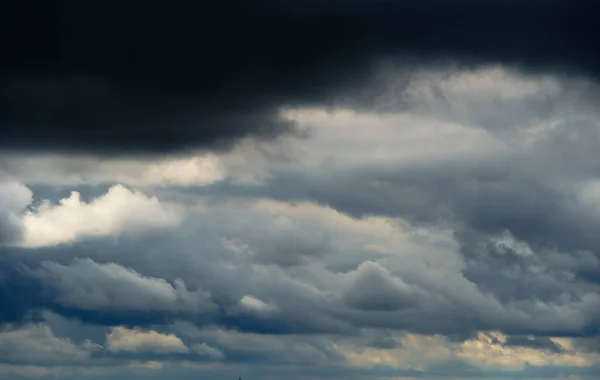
(148, 76)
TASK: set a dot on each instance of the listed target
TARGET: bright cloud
(119, 211)
(121, 339)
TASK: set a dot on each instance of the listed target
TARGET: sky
(369, 190)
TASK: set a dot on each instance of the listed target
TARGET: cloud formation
(121, 339)
(153, 77)
(36, 344)
(14, 198)
(88, 285)
(119, 211)
(446, 230)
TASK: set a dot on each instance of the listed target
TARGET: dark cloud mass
(155, 76)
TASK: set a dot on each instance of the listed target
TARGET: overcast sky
(369, 190)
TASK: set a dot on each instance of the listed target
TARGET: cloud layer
(446, 230)
(108, 77)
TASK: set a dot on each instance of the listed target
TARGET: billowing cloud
(87, 285)
(120, 210)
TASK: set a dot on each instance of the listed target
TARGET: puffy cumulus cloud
(120, 210)
(42, 223)
(121, 339)
(87, 285)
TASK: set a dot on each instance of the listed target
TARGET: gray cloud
(14, 198)
(36, 344)
(281, 241)
(374, 289)
(88, 285)
(543, 343)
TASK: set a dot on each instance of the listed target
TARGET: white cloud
(89, 285)
(119, 211)
(121, 339)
